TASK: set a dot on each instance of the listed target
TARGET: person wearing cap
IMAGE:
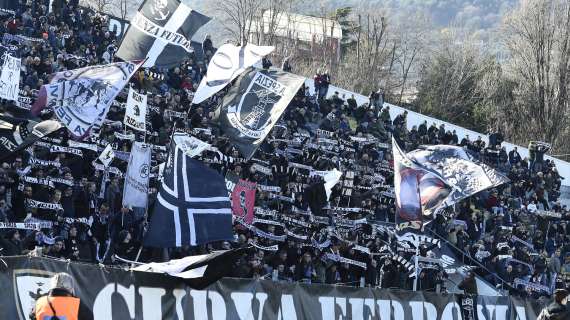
(557, 310)
(61, 302)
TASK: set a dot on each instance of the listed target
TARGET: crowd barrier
(114, 293)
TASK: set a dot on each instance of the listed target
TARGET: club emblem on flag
(253, 106)
(251, 116)
(81, 98)
(161, 31)
(159, 10)
(144, 171)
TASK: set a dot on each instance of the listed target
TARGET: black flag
(161, 31)
(193, 206)
(198, 272)
(8, 7)
(17, 134)
(253, 106)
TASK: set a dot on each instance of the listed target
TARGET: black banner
(253, 105)
(8, 7)
(113, 293)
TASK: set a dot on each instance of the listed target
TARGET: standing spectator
(207, 46)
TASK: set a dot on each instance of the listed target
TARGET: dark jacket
(10, 247)
(556, 311)
(468, 285)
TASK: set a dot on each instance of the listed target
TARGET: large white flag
(10, 78)
(135, 114)
(107, 155)
(189, 145)
(81, 98)
(135, 192)
(227, 64)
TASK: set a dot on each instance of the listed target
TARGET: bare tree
(98, 5)
(124, 8)
(410, 39)
(239, 17)
(450, 81)
(537, 35)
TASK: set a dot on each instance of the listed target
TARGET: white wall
(415, 118)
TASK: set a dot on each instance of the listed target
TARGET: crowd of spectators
(516, 236)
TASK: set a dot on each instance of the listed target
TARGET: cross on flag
(161, 31)
(193, 206)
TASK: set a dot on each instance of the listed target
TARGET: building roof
(304, 28)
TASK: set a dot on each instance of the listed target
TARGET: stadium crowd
(517, 233)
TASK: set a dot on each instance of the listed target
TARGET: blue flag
(193, 206)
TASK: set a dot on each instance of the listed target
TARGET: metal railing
(471, 259)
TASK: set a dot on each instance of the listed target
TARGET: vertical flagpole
(417, 267)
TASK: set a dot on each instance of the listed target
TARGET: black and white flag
(227, 64)
(135, 113)
(193, 206)
(460, 171)
(136, 179)
(81, 98)
(191, 146)
(254, 105)
(198, 271)
(10, 77)
(161, 31)
(107, 156)
(17, 134)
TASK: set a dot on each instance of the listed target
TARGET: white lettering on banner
(287, 308)
(145, 25)
(102, 307)
(149, 296)
(386, 312)
(270, 84)
(200, 305)
(116, 27)
(328, 308)
(243, 302)
(199, 302)
(9, 145)
(135, 113)
(178, 295)
(451, 311)
(521, 313)
(10, 78)
(419, 308)
(494, 312)
(247, 309)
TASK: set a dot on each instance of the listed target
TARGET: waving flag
(407, 189)
(161, 31)
(197, 271)
(135, 192)
(17, 134)
(81, 98)
(431, 178)
(107, 156)
(253, 106)
(193, 206)
(135, 113)
(227, 64)
(464, 174)
(10, 77)
(243, 200)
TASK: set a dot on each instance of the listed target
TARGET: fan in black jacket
(557, 310)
